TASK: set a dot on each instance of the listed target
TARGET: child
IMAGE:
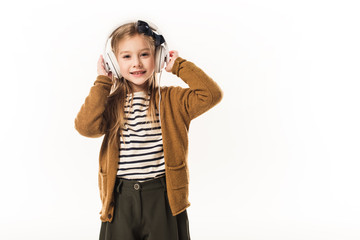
(143, 170)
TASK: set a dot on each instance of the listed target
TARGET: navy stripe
(141, 129)
(140, 98)
(135, 124)
(145, 135)
(141, 161)
(141, 154)
(148, 141)
(140, 148)
(138, 117)
(137, 104)
(136, 110)
(124, 169)
(130, 174)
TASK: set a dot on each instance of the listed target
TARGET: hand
(101, 68)
(173, 55)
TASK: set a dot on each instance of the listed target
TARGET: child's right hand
(101, 68)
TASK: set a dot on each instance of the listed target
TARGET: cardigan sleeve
(203, 92)
(90, 121)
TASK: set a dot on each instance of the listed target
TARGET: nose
(137, 62)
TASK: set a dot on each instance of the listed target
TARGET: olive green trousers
(142, 212)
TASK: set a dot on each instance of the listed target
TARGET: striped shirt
(141, 158)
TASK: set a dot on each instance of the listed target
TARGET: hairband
(143, 27)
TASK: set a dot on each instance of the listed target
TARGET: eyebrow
(140, 50)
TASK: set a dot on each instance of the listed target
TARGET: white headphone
(161, 54)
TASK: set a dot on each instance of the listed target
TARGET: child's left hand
(173, 55)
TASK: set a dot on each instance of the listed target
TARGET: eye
(145, 54)
(126, 56)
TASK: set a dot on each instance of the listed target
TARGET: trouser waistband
(133, 185)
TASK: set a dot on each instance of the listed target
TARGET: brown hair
(114, 112)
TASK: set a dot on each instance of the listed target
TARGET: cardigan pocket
(102, 185)
(178, 176)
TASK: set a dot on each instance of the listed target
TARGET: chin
(137, 82)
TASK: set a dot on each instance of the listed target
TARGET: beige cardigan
(178, 107)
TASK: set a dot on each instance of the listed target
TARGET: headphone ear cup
(114, 64)
(110, 60)
(160, 58)
(157, 59)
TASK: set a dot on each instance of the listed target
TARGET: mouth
(137, 73)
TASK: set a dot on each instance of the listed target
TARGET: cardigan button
(136, 186)
(112, 204)
(109, 216)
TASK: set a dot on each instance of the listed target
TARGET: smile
(138, 73)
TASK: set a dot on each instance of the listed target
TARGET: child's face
(134, 56)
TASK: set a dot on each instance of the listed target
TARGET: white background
(277, 158)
